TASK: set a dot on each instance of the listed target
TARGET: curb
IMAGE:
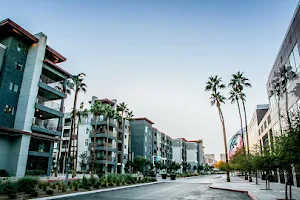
(95, 191)
(250, 194)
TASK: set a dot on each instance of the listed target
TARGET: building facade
(162, 147)
(31, 99)
(179, 150)
(210, 159)
(195, 153)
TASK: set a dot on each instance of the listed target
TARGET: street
(181, 189)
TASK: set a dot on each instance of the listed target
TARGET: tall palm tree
(239, 81)
(123, 109)
(213, 85)
(275, 90)
(129, 116)
(109, 113)
(234, 98)
(81, 113)
(67, 88)
(80, 86)
(97, 109)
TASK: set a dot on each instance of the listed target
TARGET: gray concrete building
(195, 153)
(179, 150)
(162, 147)
(142, 138)
(31, 99)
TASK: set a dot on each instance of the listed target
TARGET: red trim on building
(106, 101)
(57, 68)
(19, 30)
(13, 131)
(144, 118)
(55, 54)
(198, 141)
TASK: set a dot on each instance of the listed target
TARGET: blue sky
(157, 55)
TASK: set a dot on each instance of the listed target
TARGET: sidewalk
(255, 191)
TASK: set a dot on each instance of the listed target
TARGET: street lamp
(80, 75)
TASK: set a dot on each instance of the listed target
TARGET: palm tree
(275, 90)
(123, 109)
(109, 113)
(80, 86)
(67, 88)
(97, 109)
(213, 85)
(129, 117)
(81, 113)
(239, 81)
(234, 97)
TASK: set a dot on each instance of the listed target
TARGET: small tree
(83, 161)
(221, 165)
(185, 166)
(139, 163)
(200, 168)
(174, 167)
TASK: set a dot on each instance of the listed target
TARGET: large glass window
(296, 56)
(39, 145)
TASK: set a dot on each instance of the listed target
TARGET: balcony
(47, 109)
(110, 135)
(102, 147)
(46, 126)
(102, 160)
(103, 121)
(50, 89)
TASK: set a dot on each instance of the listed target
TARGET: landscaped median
(30, 187)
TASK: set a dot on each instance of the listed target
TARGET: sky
(157, 55)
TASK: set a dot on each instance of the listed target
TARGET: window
(124, 146)
(9, 110)
(145, 148)
(269, 119)
(125, 136)
(85, 152)
(13, 87)
(86, 142)
(87, 131)
(146, 129)
(265, 124)
(145, 138)
(19, 66)
(294, 58)
(125, 126)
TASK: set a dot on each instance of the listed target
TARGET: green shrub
(70, 185)
(3, 173)
(63, 187)
(53, 186)
(45, 186)
(104, 183)
(75, 186)
(111, 183)
(93, 181)
(33, 193)
(12, 196)
(34, 172)
(86, 187)
(118, 181)
(40, 185)
(49, 192)
(59, 185)
(27, 183)
(1, 186)
(97, 185)
(150, 173)
(9, 188)
(84, 181)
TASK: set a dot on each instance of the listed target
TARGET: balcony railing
(54, 84)
(101, 145)
(109, 158)
(50, 104)
(104, 120)
(47, 124)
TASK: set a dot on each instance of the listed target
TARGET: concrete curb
(250, 194)
(95, 191)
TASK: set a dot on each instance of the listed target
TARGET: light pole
(73, 77)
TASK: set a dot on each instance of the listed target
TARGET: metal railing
(47, 124)
(54, 84)
(48, 103)
(109, 158)
(101, 145)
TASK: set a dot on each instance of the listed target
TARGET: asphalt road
(183, 189)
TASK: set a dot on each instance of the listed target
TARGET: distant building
(179, 150)
(194, 153)
(162, 147)
(210, 159)
(223, 157)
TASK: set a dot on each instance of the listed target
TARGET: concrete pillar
(50, 159)
(23, 156)
(29, 88)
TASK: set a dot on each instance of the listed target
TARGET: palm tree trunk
(93, 150)
(287, 109)
(107, 131)
(279, 115)
(74, 125)
(225, 141)
(241, 122)
(247, 137)
(76, 153)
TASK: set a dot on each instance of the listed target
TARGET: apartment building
(162, 147)
(117, 140)
(195, 153)
(31, 99)
(179, 150)
(223, 157)
(142, 138)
